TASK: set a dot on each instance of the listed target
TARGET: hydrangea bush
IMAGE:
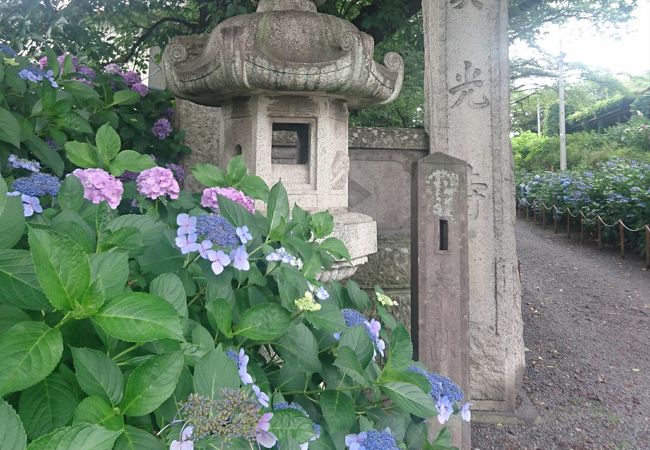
(47, 103)
(616, 189)
(135, 315)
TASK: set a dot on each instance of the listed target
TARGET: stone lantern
(285, 77)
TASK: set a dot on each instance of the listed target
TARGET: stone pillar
(439, 280)
(467, 102)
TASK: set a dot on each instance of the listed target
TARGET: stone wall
(380, 186)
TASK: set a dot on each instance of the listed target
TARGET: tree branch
(147, 32)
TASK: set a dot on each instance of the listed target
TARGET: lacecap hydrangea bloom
(218, 230)
(20, 163)
(307, 303)
(354, 318)
(445, 393)
(210, 195)
(371, 440)
(37, 185)
(100, 185)
(31, 205)
(157, 182)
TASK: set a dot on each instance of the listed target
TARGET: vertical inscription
(460, 4)
(468, 82)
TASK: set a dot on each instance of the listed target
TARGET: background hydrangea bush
(136, 315)
(616, 189)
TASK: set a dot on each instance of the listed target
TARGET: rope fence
(543, 210)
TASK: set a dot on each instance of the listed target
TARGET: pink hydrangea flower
(157, 182)
(100, 185)
(209, 198)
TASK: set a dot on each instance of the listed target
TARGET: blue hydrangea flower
(37, 185)
(218, 230)
(241, 360)
(262, 397)
(372, 440)
(441, 386)
(8, 50)
(240, 259)
(353, 317)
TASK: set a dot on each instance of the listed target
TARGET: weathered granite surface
(468, 108)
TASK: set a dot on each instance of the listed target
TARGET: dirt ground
(587, 334)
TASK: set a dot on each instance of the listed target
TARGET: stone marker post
(439, 279)
(467, 102)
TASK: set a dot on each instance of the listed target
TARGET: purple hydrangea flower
(31, 205)
(162, 128)
(219, 260)
(186, 224)
(241, 359)
(100, 185)
(465, 412)
(281, 255)
(210, 195)
(204, 247)
(157, 182)
(112, 69)
(20, 163)
(87, 72)
(130, 77)
(244, 234)
(37, 185)
(186, 442)
(240, 259)
(262, 434)
(141, 89)
(445, 409)
(322, 294)
(178, 171)
(169, 113)
(262, 397)
(187, 243)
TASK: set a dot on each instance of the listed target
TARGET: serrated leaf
(264, 322)
(20, 287)
(9, 316)
(97, 374)
(289, 424)
(12, 433)
(48, 405)
(12, 222)
(335, 247)
(45, 154)
(125, 97)
(169, 286)
(139, 317)
(339, 411)
(254, 186)
(329, 319)
(136, 439)
(400, 352)
(356, 338)
(29, 352)
(82, 154)
(236, 169)
(71, 194)
(322, 224)
(9, 128)
(410, 398)
(298, 345)
(277, 208)
(112, 271)
(108, 142)
(132, 161)
(213, 372)
(221, 313)
(151, 384)
(96, 410)
(82, 436)
(209, 175)
(3, 194)
(62, 268)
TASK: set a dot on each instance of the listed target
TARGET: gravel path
(587, 332)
